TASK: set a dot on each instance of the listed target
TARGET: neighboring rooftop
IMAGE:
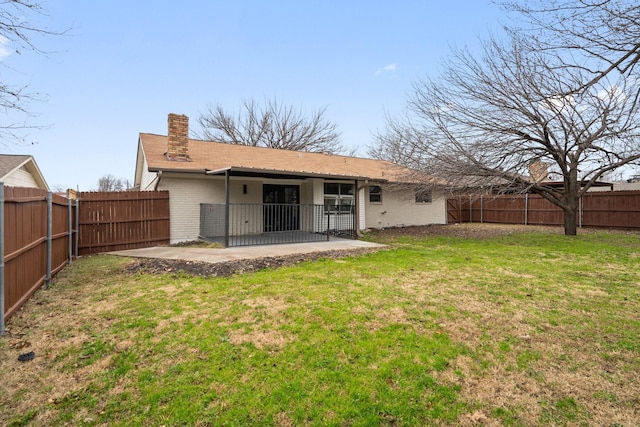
(21, 171)
(11, 162)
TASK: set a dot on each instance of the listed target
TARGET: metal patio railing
(264, 224)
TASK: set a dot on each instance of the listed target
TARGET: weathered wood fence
(41, 232)
(617, 209)
(118, 220)
(37, 241)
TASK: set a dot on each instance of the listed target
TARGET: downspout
(1, 258)
(155, 187)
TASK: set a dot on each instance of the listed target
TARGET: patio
(215, 255)
(271, 224)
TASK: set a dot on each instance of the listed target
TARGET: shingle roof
(215, 156)
(9, 162)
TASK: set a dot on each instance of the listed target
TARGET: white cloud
(391, 68)
(612, 94)
(4, 48)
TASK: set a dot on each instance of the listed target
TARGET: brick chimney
(538, 171)
(178, 146)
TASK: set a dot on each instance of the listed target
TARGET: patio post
(226, 209)
(356, 209)
(328, 224)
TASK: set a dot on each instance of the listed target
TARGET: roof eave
(30, 163)
(240, 169)
(177, 170)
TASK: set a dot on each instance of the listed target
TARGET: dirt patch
(261, 339)
(481, 230)
(471, 230)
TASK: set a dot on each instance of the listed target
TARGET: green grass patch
(432, 330)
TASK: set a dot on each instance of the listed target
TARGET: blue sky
(125, 65)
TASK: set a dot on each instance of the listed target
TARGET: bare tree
(19, 30)
(111, 183)
(599, 37)
(400, 143)
(273, 125)
(488, 120)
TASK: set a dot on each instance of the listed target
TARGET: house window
(339, 198)
(423, 196)
(375, 194)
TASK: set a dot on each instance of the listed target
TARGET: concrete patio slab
(215, 255)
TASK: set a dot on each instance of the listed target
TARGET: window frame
(419, 193)
(377, 193)
(338, 207)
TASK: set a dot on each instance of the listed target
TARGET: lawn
(518, 329)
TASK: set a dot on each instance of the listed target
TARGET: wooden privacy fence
(41, 232)
(36, 241)
(615, 209)
(117, 220)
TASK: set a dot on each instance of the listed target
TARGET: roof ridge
(215, 155)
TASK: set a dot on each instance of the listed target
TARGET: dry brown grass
(605, 381)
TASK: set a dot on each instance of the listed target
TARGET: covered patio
(237, 224)
(287, 213)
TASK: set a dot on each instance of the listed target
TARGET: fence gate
(453, 211)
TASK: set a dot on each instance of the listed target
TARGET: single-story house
(245, 195)
(21, 171)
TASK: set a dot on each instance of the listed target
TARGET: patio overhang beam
(176, 170)
(279, 174)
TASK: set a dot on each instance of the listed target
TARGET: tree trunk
(571, 189)
(570, 223)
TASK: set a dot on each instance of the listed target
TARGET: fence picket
(612, 209)
(41, 232)
(117, 220)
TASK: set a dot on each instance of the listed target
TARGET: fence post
(49, 236)
(526, 208)
(70, 230)
(481, 210)
(77, 225)
(1, 258)
(580, 211)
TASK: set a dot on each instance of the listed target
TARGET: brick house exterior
(206, 173)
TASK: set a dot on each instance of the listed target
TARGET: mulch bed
(229, 268)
